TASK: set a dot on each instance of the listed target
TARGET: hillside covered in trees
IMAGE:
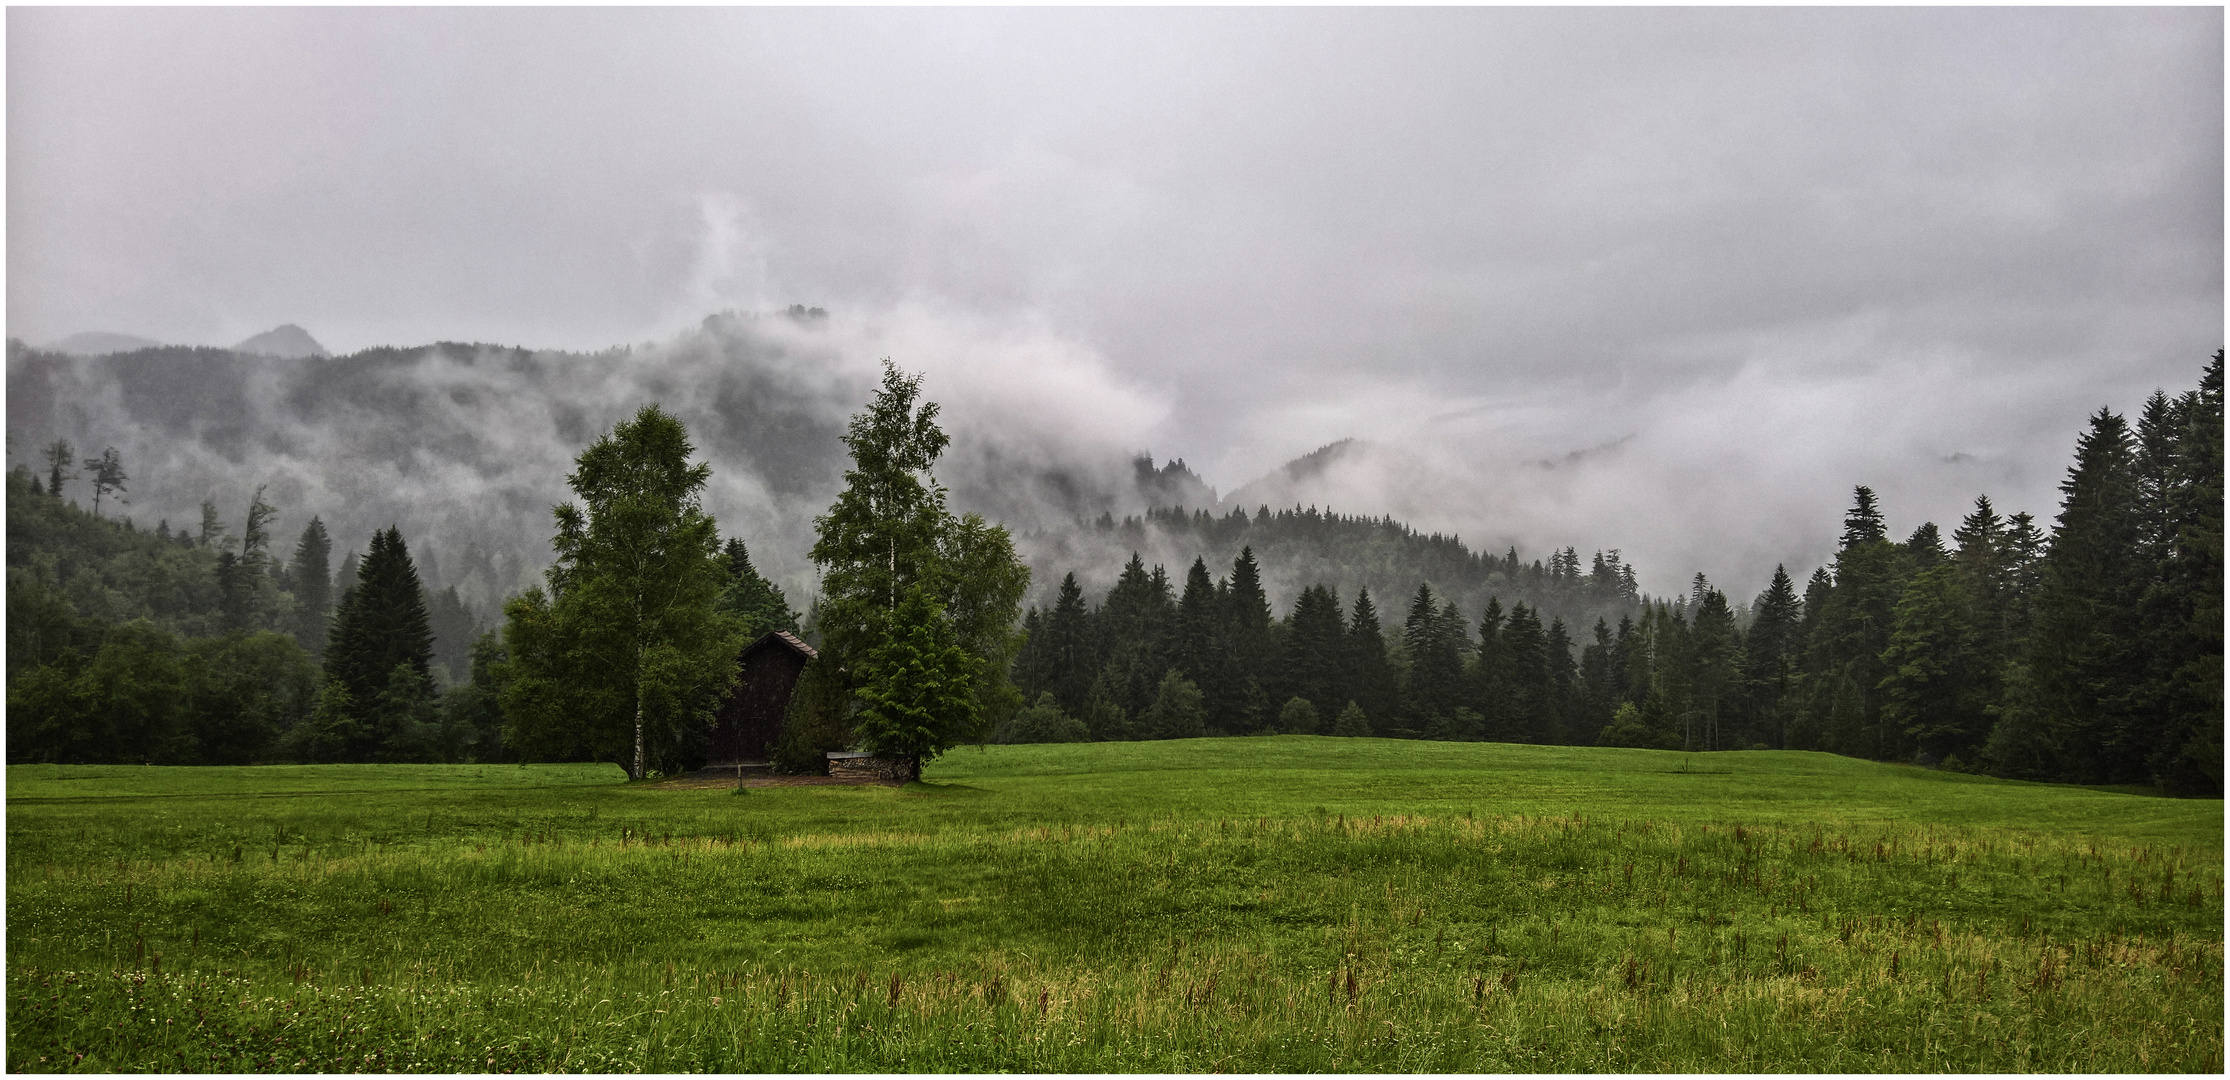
(2093, 654)
(197, 646)
(2089, 651)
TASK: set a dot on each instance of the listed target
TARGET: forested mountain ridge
(1299, 547)
(466, 444)
(462, 444)
(2089, 653)
(71, 572)
(2093, 654)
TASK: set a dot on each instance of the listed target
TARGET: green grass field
(1264, 904)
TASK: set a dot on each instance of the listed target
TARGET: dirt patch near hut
(701, 781)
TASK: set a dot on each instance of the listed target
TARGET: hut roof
(785, 639)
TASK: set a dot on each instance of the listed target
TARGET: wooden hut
(747, 726)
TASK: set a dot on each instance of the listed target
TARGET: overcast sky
(1717, 266)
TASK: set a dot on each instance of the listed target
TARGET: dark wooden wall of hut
(747, 726)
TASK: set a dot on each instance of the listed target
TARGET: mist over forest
(465, 447)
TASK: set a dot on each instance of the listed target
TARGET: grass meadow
(1265, 904)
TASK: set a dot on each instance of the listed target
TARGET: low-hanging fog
(1670, 282)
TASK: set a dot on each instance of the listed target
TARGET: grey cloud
(1473, 238)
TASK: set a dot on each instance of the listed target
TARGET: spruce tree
(1716, 652)
(1490, 675)
(310, 572)
(381, 626)
(2188, 759)
(1253, 648)
(1863, 524)
(755, 603)
(1846, 636)
(1315, 642)
(1598, 683)
(1984, 557)
(2085, 649)
(1532, 704)
(1351, 724)
(1134, 624)
(1556, 647)
(1372, 676)
(1068, 648)
(108, 475)
(1925, 547)
(921, 698)
(60, 458)
(1177, 711)
(1434, 687)
(1937, 687)
(1771, 651)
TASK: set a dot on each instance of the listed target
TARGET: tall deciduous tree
(881, 535)
(887, 536)
(627, 654)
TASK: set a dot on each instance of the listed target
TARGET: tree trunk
(638, 729)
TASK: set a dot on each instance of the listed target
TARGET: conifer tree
(1372, 677)
(1068, 648)
(1031, 673)
(1525, 647)
(1556, 644)
(1772, 648)
(1598, 683)
(1984, 557)
(1937, 687)
(108, 475)
(1490, 676)
(1177, 711)
(1351, 724)
(311, 573)
(1435, 681)
(1863, 524)
(1135, 624)
(381, 626)
(1925, 547)
(1716, 652)
(212, 526)
(2188, 759)
(1845, 638)
(755, 603)
(2084, 649)
(1252, 655)
(1315, 646)
(60, 458)
(1205, 654)
(921, 697)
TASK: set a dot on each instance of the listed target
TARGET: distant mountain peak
(101, 343)
(1173, 484)
(1316, 461)
(288, 342)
